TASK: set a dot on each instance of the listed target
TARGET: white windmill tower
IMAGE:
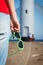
(27, 18)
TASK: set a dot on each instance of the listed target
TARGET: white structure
(27, 17)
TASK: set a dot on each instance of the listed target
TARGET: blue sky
(40, 2)
(17, 3)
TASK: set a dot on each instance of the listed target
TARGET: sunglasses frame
(19, 39)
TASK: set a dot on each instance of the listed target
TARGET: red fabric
(4, 7)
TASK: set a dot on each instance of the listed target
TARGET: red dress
(3, 7)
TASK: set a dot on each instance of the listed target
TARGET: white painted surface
(27, 19)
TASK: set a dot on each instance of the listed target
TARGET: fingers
(15, 27)
(15, 30)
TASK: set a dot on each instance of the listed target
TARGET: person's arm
(10, 4)
(13, 16)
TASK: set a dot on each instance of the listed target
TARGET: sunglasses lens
(20, 44)
(17, 35)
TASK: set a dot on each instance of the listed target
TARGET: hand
(15, 26)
